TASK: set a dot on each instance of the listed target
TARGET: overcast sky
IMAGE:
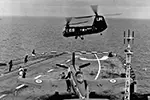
(128, 8)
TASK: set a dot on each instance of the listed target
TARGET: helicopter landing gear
(101, 34)
(76, 37)
(82, 38)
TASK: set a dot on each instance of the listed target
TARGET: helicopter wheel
(76, 37)
(82, 38)
(101, 34)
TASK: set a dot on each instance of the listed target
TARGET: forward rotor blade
(116, 14)
(63, 66)
(78, 23)
(84, 65)
(68, 19)
(128, 33)
(94, 8)
(84, 17)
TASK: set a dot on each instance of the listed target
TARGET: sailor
(111, 54)
(26, 59)
(10, 65)
(133, 87)
(80, 79)
(68, 78)
(63, 76)
(22, 72)
(33, 52)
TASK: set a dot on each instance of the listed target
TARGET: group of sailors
(10, 64)
(22, 70)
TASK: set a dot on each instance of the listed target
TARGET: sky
(64, 8)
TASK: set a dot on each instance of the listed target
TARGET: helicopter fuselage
(98, 26)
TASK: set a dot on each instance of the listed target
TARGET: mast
(128, 40)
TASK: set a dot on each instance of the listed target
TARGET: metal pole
(128, 54)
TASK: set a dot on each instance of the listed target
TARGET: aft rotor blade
(63, 66)
(94, 8)
(124, 40)
(132, 36)
(83, 17)
(132, 33)
(78, 23)
(116, 14)
(84, 65)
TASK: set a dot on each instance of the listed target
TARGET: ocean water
(19, 35)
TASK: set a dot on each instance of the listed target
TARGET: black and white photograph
(74, 50)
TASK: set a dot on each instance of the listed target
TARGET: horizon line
(70, 16)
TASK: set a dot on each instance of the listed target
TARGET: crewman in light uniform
(22, 72)
(33, 52)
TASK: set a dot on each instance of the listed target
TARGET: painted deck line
(20, 86)
(99, 64)
(2, 96)
(37, 76)
(50, 70)
(103, 58)
(68, 60)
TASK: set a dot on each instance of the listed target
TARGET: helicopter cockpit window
(67, 30)
(99, 19)
(71, 30)
(64, 29)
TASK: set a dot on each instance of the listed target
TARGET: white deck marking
(88, 59)
(2, 96)
(68, 60)
(99, 66)
(20, 86)
(37, 76)
(103, 58)
(50, 70)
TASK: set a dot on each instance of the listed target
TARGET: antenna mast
(129, 39)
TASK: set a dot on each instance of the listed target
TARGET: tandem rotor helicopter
(98, 26)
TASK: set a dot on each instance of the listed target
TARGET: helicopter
(98, 26)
